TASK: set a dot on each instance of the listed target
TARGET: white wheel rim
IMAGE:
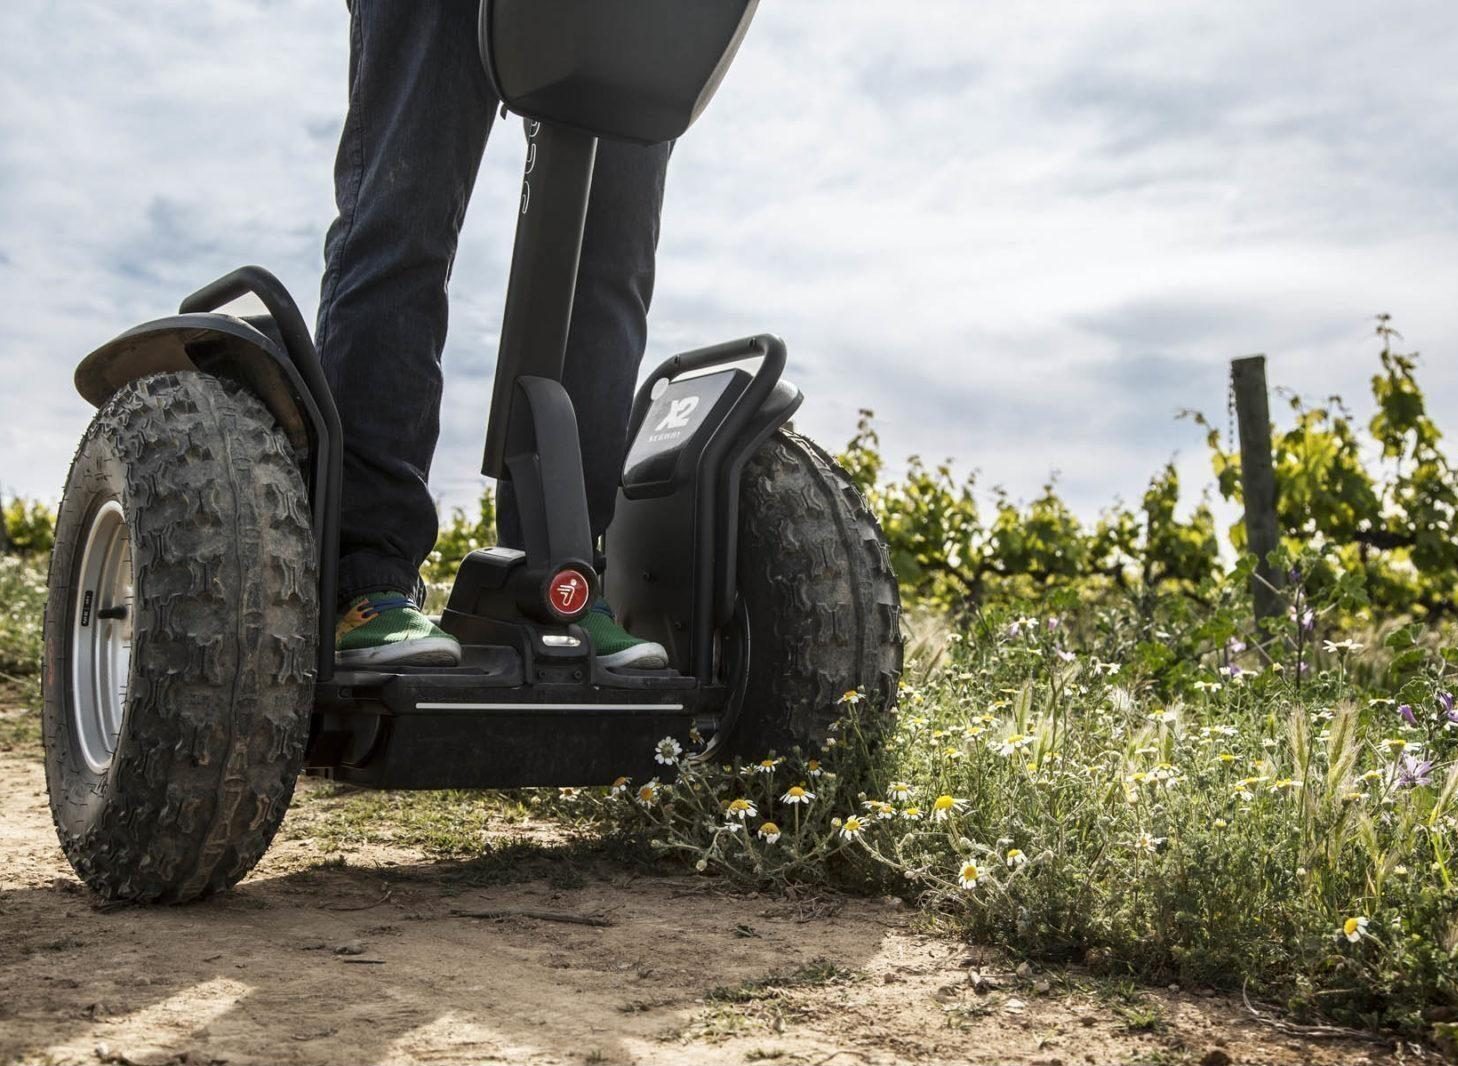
(101, 636)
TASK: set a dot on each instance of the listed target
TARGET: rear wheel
(819, 612)
(180, 640)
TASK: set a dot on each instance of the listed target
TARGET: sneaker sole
(428, 651)
(645, 656)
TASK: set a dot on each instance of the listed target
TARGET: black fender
(222, 345)
(673, 543)
(271, 355)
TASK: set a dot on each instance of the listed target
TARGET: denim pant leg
(609, 321)
(420, 109)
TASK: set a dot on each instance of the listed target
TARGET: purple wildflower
(1414, 771)
(1405, 711)
(1445, 701)
(1235, 646)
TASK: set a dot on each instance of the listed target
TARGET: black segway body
(189, 668)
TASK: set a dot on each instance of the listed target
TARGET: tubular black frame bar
(709, 500)
(328, 475)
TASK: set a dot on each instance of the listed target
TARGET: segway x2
(189, 672)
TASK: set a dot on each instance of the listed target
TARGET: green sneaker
(615, 646)
(385, 628)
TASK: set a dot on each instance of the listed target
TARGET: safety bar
(329, 454)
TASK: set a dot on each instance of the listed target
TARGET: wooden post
(1258, 478)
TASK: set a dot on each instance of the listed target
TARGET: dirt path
(257, 976)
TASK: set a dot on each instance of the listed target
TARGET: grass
(469, 834)
(761, 1003)
(23, 591)
(811, 975)
(1288, 825)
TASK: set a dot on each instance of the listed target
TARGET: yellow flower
(797, 794)
(879, 810)
(1353, 929)
(648, 794)
(851, 696)
(1013, 743)
(1226, 757)
(742, 809)
(619, 787)
(769, 832)
(569, 794)
(1015, 857)
(969, 875)
(813, 768)
(767, 766)
(1145, 842)
(852, 828)
(899, 791)
(943, 807)
(911, 812)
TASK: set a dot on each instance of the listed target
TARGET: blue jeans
(420, 110)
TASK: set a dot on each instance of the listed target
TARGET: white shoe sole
(427, 651)
(645, 656)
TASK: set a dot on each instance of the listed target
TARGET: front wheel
(180, 640)
(819, 610)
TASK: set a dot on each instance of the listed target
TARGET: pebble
(350, 947)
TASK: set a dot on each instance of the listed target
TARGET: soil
(368, 958)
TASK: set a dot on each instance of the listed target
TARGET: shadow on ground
(338, 963)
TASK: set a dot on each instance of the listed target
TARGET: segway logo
(678, 414)
(569, 592)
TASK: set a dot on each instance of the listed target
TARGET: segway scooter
(189, 672)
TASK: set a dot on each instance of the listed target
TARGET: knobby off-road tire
(818, 597)
(213, 700)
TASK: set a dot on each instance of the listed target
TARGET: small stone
(981, 983)
(1013, 1006)
(1024, 971)
(894, 903)
(1042, 986)
(1174, 987)
(1215, 1057)
(350, 947)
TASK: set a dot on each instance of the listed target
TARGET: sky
(1026, 235)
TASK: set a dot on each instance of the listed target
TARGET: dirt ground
(370, 960)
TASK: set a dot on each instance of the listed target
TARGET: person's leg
(609, 320)
(420, 109)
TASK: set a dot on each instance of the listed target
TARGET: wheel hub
(101, 636)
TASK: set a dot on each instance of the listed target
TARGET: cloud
(1025, 235)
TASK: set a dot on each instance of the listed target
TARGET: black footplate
(475, 727)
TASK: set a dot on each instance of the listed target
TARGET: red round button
(568, 592)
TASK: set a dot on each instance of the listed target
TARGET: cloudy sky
(1025, 234)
